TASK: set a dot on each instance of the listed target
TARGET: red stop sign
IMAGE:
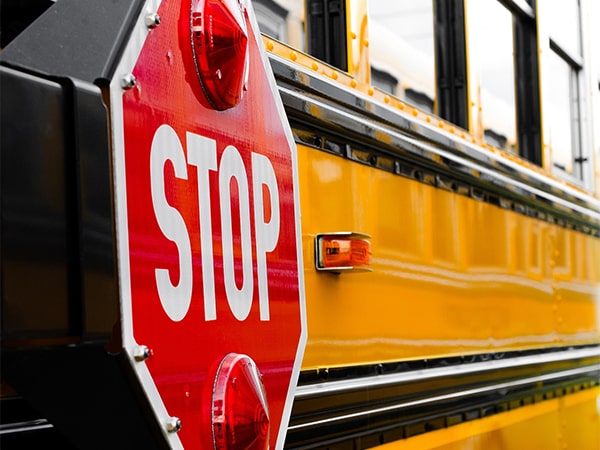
(208, 226)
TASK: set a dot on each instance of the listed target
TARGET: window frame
(451, 74)
(527, 106)
(527, 85)
(581, 151)
(327, 31)
(452, 71)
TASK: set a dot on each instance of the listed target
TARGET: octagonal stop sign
(209, 249)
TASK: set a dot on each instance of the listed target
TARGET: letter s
(176, 298)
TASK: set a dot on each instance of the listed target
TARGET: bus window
(326, 35)
(282, 20)
(401, 43)
(562, 119)
(491, 44)
(563, 103)
(327, 31)
(383, 80)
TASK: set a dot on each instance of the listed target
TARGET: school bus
(437, 129)
(448, 160)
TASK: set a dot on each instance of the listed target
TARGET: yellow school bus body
(458, 277)
(451, 275)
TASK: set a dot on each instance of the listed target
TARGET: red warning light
(220, 46)
(240, 415)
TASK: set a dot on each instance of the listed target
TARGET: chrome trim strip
(463, 149)
(336, 387)
(23, 427)
(451, 396)
(496, 178)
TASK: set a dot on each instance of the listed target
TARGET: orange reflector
(343, 251)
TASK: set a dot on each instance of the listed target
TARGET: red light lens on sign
(220, 47)
(240, 415)
(337, 252)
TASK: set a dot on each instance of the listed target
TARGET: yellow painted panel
(358, 41)
(451, 274)
(571, 422)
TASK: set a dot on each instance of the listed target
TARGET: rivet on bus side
(315, 66)
(334, 75)
(366, 42)
(353, 35)
(128, 81)
(386, 99)
(152, 20)
(270, 45)
(353, 83)
(173, 424)
(142, 353)
(371, 91)
(293, 56)
(555, 275)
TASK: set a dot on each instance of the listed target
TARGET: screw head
(173, 424)
(152, 20)
(128, 81)
(142, 353)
